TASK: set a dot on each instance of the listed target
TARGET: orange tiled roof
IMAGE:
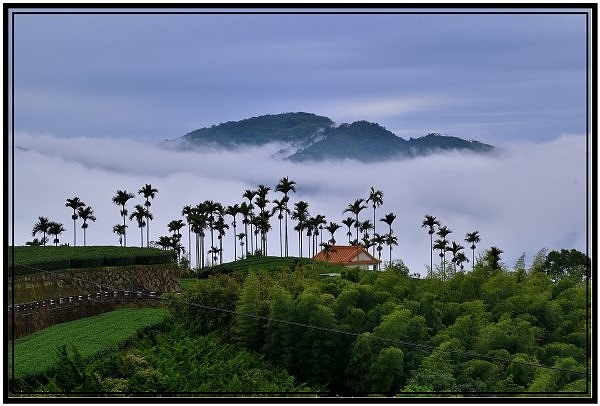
(345, 255)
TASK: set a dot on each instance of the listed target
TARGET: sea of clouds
(524, 197)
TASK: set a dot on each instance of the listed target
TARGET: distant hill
(309, 137)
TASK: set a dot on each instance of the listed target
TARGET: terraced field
(35, 355)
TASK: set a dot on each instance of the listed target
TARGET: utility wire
(471, 354)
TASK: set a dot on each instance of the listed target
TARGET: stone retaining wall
(157, 278)
(110, 286)
(26, 318)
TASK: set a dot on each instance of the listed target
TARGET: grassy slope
(35, 354)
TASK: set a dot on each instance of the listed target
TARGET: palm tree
(389, 219)
(493, 257)
(233, 211)
(119, 229)
(249, 194)
(121, 199)
(431, 222)
(198, 223)
(286, 186)
(300, 214)
(378, 241)
(376, 199)
(41, 227)
(165, 242)
(261, 202)
(442, 245)
(246, 212)
(74, 203)
(459, 259)
(455, 249)
(280, 206)
(187, 211)
(241, 237)
(220, 226)
(327, 249)
(348, 223)
(473, 238)
(365, 226)
(443, 232)
(391, 239)
(149, 192)
(212, 209)
(55, 229)
(140, 214)
(264, 226)
(174, 226)
(356, 208)
(86, 213)
(332, 228)
(314, 225)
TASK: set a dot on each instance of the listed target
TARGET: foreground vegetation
(32, 259)
(283, 326)
(88, 357)
(492, 330)
(35, 355)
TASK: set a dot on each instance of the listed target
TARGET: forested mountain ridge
(309, 137)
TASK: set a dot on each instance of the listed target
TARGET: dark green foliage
(363, 332)
(248, 331)
(567, 263)
(44, 353)
(387, 371)
(201, 307)
(31, 259)
(369, 142)
(316, 138)
(170, 361)
(288, 127)
(71, 374)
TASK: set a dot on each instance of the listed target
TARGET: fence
(26, 318)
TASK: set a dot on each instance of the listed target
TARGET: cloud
(378, 108)
(526, 197)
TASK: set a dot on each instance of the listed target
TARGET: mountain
(309, 137)
(300, 129)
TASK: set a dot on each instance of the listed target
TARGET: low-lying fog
(524, 198)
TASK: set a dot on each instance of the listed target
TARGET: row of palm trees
(458, 257)
(45, 226)
(209, 216)
(141, 213)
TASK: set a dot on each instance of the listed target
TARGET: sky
(94, 94)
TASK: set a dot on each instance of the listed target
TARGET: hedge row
(28, 260)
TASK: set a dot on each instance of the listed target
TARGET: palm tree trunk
(234, 242)
(374, 229)
(280, 238)
(124, 228)
(286, 234)
(74, 230)
(431, 252)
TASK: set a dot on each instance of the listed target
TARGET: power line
(459, 352)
